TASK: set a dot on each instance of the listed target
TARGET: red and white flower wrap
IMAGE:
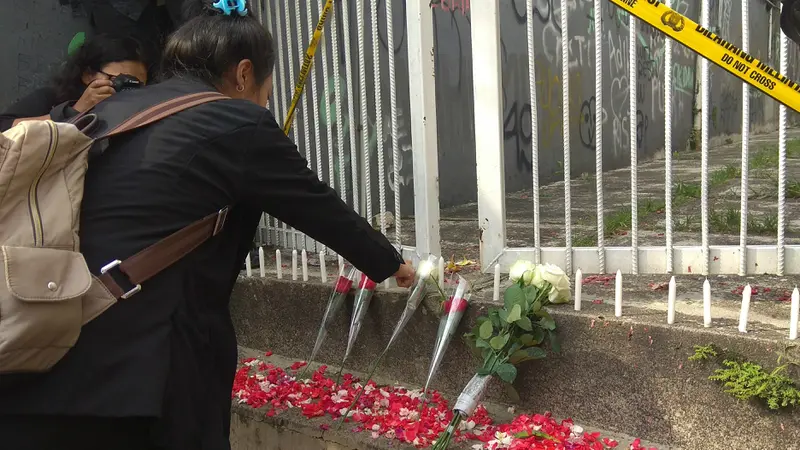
(454, 308)
(366, 288)
(340, 290)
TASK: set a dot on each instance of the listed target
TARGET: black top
(170, 350)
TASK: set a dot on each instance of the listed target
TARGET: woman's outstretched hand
(405, 275)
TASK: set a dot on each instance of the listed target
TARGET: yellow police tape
(715, 49)
(306, 67)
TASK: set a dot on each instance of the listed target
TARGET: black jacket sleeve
(37, 103)
(277, 180)
(63, 112)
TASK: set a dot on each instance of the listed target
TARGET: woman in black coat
(155, 371)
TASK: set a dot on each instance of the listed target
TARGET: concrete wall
(36, 34)
(41, 31)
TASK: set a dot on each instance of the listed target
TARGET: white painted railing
(779, 258)
(337, 146)
(339, 150)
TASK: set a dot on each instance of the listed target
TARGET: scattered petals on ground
(398, 413)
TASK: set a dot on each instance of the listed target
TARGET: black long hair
(211, 43)
(92, 56)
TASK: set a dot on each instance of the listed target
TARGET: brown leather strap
(163, 110)
(152, 260)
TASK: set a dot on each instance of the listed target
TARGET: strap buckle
(222, 214)
(113, 264)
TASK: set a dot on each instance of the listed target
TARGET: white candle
(248, 266)
(441, 272)
(671, 301)
(618, 295)
(261, 266)
(745, 309)
(304, 264)
(294, 265)
(706, 304)
(323, 271)
(496, 291)
(793, 316)
(578, 289)
(278, 264)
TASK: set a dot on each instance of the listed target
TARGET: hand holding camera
(102, 88)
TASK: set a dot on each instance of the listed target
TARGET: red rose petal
(394, 412)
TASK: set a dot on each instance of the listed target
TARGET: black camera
(124, 82)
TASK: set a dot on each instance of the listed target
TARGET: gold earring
(240, 88)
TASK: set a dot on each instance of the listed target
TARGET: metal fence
(335, 142)
(779, 258)
(338, 148)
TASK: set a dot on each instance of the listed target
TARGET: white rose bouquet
(512, 334)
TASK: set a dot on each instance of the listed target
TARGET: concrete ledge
(251, 430)
(638, 382)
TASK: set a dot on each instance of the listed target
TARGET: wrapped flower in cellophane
(366, 288)
(340, 290)
(418, 291)
(512, 334)
(453, 311)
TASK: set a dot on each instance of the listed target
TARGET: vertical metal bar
(255, 10)
(705, 92)
(784, 60)
(668, 147)
(301, 46)
(745, 190)
(310, 27)
(393, 118)
(276, 102)
(376, 68)
(285, 93)
(565, 131)
(633, 145)
(330, 115)
(362, 81)
(290, 64)
(274, 106)
(310, 19)
(337, 93)
(598, 131)
(488, 96)
(424, 139)
(351, 104)
(307, 242)
(537, 232)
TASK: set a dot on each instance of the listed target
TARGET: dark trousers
(75, 433)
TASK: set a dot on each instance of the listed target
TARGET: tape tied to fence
(305, 69)
(716, 49)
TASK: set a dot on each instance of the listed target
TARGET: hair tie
(228, 6)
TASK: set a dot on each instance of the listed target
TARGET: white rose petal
(560, 291)
(519, 269)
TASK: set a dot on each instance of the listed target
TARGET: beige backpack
(47, 292)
